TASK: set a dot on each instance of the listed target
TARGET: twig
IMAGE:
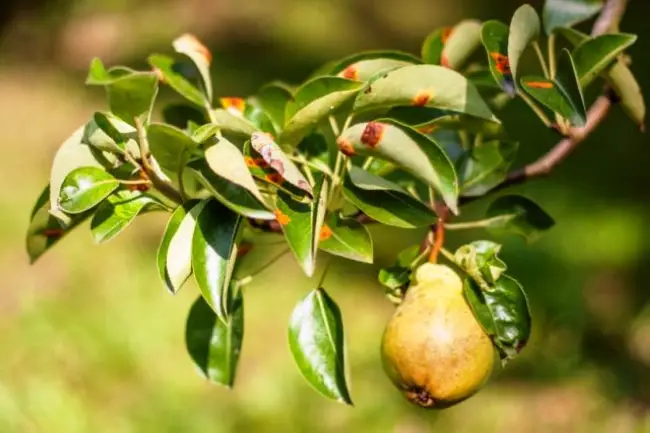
(610, 17)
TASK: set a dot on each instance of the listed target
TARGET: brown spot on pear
(433, 349)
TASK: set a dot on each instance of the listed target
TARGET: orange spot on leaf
(446, 32)
(444, 62)
(502, 63)
(345, 146)
(325, 233)
(540, 84)
(283, 219)
(422, 98)
(372, 134)
(275, 178)
(233, 103)
(250, 162)
(351, 73)
(427, 129)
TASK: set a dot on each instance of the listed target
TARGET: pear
(433, 348)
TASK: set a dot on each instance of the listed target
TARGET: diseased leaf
(566, 13)
(562, 95)
(301, 224)
(174, 256)
(214, 345)
(486, 166)
(463, 40)
(346, 237)
(190, 46)
(412, 151)
(84, 188)
(118, 211)
(214, 251)
(385, 201)
(592, 56)
(434, 44)
(362, 66)
(365, 70)
(524, 30)
(425, 86)
(519, 215)
(494, 35)
(167, 67)
(317, 343)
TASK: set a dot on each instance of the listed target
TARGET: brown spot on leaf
(325, 233)
(540, 84)
(244, 248)
(53, 233)
(351, 73)
(422, 98)
(282, 218)
(502, 63)
(250, 162)
(233, 103)
(372, 134)
(427, 129)
(275, 178)
(345, 146)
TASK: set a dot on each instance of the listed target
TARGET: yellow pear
(433, 348)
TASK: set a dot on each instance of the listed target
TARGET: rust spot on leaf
(427, 129)
(244, 248)
(540, 84)
(372, 134)
(190, 43)
(275, 178)
(502, 63)
(325, 233)
(444, 61)
(446, 32)
(53, 233)
(250, 162)
(233, 104)
(422, 98)
(345, 146)
(283, 219)
(351, 73)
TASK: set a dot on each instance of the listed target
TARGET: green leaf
(313, 102)
(200, 56)
(254, 113)
(45, 230)
(482, 257)
(317, 343)
(84, 188)
(434, 44)
(229, 122)
(463, 40)
(233, 195)
(279, 161)
(170, 146)
(592, 56)
(416, 153)
(385, 201)
(107, 133)
(174, 256)
(502, 310)
(519, 215)
(273, 98)
(301, 224)
(427, 86)
(214, 345)
(495, 35)
(368, 63)
(346, 237)
(118, 211)
(130, 93)
(565, 13)
(214, 251)
(562, 95)
(72, 154)
(168, 69)
(524, 30)
(205, 132)
(486, 166)
(399, 274)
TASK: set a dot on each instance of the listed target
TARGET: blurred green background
(91, 341)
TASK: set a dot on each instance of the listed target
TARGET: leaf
(399, 274)
(273, 98)
(168, 69)
(463, 40)
(214, 252)
(254, 113)
(519, 215)
(190, 46)
(180, 115)
(234, 196)
(416, 153)
(429, 120)
(45, 230)
(346, 237)
(592, 56)
(226, 121)
(279, 161)
(502, 310)
(214, 345)
(174, 255)
(365, 70)
(71, 155)
(486, 166)
(524, 30)
(385, 201)
(301, 224)
(425, 86)
(482, 256)
(205, 132)
(562, 95)
(118, 211)
(107, 133)
(130, 93)
(313, 102)
(84, 188)
(434, 44)
(494, 35)
(367, 63)
(566, 13)
(317, 343)
(170, 146)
